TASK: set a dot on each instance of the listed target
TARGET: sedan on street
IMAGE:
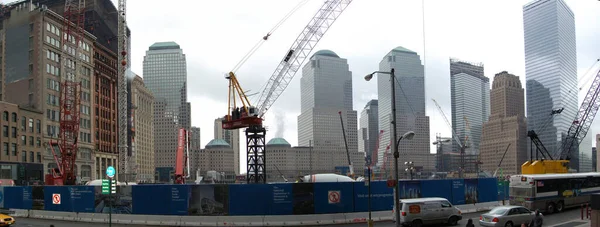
(507, 216)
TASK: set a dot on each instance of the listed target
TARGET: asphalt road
(548, 220)
(552, 219)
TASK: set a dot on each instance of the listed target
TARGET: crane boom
(583, 120)
(299, 51)
(350, 167)
(448, 123)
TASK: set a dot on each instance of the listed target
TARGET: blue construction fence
(244, 199)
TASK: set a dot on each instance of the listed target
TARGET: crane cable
(266, 37)
(587, 80)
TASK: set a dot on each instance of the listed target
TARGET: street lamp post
(408, 135)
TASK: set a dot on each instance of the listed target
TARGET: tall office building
(506, 128)
(470, 96)
(33, 67)
(326, 89)
(143, 129)
(551, 71)
(165, 76)
(410, 108)
(232, 137)
(368, 132)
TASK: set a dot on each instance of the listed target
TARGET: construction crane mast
(73, 38)
(251, 117)
(126, 167)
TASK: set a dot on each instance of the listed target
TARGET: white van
(426, 211)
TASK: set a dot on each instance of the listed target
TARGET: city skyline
(216, 54)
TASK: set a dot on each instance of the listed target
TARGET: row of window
(53, 70)
(23, 122)
(53, 56)
(38, 143)
(52, 115)
(53, 85)
(53, 100)
(52, 41)
(51, 28)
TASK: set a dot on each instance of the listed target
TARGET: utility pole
(310, 170)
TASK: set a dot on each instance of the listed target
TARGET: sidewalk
(574, 223)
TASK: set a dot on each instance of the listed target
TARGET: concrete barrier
(257, 220)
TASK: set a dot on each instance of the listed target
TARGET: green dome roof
(217, 143)
(327, 53)
(280, 142)
(402, 49)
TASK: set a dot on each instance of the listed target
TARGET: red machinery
(65, 149)
(181, 158)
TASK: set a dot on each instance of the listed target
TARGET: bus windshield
(521, 192)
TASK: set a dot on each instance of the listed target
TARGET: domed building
(217, 157)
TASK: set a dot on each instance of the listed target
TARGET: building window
(23, 140)
(38, 125)
(31, 141)
(39, 157)
(31, 157)
(5, 149)
(13, 149)
(14, 117)
(30, 125)
(24, 156)
(14, 132)
(23, 123)
(5, 116)
(38, 142)
(5, 131)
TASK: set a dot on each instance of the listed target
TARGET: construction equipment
(66, 146)
(281, 174)
(375, 153)
(126, 166)
(502, 159)
(350, 167)
(251, 117)
(181, 157)
(463, 146)
(577, 131)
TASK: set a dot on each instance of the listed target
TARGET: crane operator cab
(240, 112)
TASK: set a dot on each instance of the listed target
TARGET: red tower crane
(65, 149)
(250, 117)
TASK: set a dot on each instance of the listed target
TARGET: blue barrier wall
(245, 199)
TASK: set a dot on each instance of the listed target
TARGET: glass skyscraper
(470, 96)
(410, 109)
(165, 75)
(551, 71)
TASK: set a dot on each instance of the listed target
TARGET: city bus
(551, 193)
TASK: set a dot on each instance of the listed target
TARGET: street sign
(56, 198)
(333, 197)
(105, 186)
(113, 187)
(110, 172)
(391, 183)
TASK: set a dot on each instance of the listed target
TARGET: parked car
(426, 211)
(6, 220)
(507, 216)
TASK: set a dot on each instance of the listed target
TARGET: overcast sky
(215, 35)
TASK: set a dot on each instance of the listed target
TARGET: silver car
(507, 216)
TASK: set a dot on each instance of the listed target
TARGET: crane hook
(266, 36)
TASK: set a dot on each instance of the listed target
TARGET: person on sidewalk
(537, 220)
(470, 223)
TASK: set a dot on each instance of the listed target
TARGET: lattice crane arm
(583, 121)
(125, 166)
(448, 123)
(299, 52)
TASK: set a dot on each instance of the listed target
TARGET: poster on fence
(209, 200)
(121, 202)
(38, 197)
(303, 197)
(470, 191)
